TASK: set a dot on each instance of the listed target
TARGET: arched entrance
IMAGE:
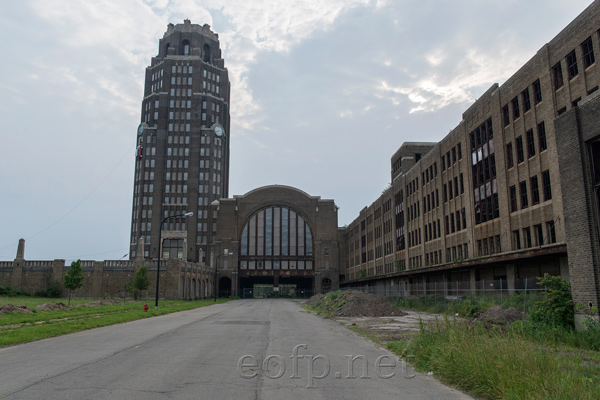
(326, 284)
(224, 287)
(276, 253)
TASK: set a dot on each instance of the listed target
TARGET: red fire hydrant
(145, 307)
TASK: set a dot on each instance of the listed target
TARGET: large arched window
(206, 53)
(185, 48)
(276, 238)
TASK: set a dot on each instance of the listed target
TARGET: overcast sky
(323, 92)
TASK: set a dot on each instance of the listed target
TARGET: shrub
(139, 282)
(8, 291)
(53, 290)
(557, 308)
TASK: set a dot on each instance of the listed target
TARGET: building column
(573, 129)
(510, 278)
(472, 282)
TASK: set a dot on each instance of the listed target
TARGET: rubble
(9, 308)
(352, 303)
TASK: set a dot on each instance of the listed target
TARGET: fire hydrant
(145, 307)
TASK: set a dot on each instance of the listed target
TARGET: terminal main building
(510, 194)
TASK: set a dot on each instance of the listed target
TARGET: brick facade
(106, 279)
(233, 216)
(507, 194)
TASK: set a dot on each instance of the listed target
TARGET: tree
(139, 282)
(74, 278)
(557, 309)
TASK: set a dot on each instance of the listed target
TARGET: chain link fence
(521, 294)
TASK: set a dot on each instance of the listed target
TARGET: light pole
(225, 253)
(188, 214)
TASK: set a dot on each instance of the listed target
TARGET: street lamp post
(188, 214)
(225, 253)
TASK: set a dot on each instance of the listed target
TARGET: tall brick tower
(182, 156)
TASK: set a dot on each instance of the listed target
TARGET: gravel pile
(351, 303)
(9, 308)
(498, 316)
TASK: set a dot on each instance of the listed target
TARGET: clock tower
(182, 146)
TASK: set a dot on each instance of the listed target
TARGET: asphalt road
(246, 349)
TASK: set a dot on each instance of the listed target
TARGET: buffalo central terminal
(510, 194)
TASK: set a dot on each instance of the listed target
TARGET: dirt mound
(99, 303)
(9, 308)
(52, 306)
(315, 299)
(498, 316)
(352, 303)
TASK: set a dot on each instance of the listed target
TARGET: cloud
(454, 79)
(266, 26)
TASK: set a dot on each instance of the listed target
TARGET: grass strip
(17, 328)
(496, 364)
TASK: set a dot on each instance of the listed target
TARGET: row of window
(489, 246)
(525, 102)
(432, 231)
(456, 152)
(211, 87)
(535, 191)
(538, 237)
(175, 201)
(432, 201)
(212, 76)
(159, 74)
(178, 104)
(429, 174)
(387, 248)
(180, 127)
(176, 139)
(587, 50)
(414, 238)
(454, 224)
(180, 92)
(177, 163)
(530, 142)
(178, 69)
(181, 81)
(412, 186)
(449, 193)
(456, 253)
(174, 176)
(414, 262)
(433, 258)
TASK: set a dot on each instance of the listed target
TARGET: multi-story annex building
(511, 192)
(182, 159)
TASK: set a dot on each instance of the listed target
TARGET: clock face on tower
(218, 129)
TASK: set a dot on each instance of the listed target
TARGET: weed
(497, 365)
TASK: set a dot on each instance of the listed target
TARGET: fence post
(483, 288)
(525, 300)
(501, 302)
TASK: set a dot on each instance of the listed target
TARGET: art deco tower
(182, 157)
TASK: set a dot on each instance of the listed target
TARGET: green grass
(16, 328)
(497, 364)
(438, 304)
